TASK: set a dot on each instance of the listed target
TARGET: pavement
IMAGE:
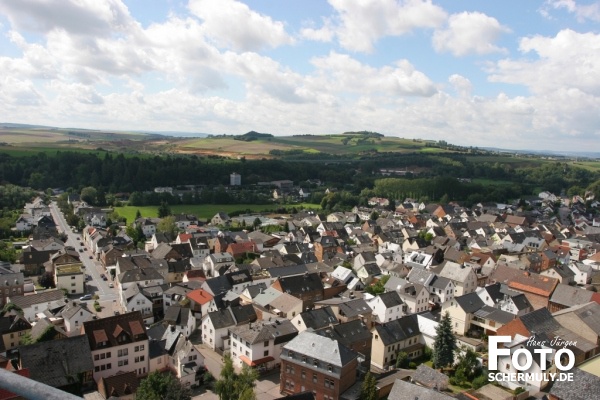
(267, 386)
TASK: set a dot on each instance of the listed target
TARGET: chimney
(172, 328)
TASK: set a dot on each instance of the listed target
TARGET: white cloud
(234, 25)
(82, 17)
(326, 33)
(582, 12)
(339, 73)
(568, 60)
(461, 85)
(469, 33)
(363, 22)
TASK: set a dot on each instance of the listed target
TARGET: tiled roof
(318, 318)
(44, 297)
(260, 331)
(584, 386)
(200, 296)
(55, 362)
(102, 330)
(398, 330)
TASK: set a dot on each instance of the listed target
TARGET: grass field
(203, 211)
(589, 165)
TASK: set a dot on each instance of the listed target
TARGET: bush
(402, 360)
(518, 390)
(412, 365)
(480, 381)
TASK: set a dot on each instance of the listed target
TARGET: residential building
(392, 337)
(33, 304)
(12, 329)
(11, 284)
(118, 343)
(386, 307)
(318, 364)
(258, 344)
(308, 287)
(70, 277)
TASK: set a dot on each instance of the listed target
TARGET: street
(91, 267)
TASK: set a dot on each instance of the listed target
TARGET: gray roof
(439, 282)
(288, 270)
(470, 302)
(267, 296)
(430, 377)
(589, 314)
(221, 318)
(55, 361)
(494, 314)
(403, 390)
(391, 299)
(281, 330)
(354, 308)
(348, 333)
(321, 348)
(584, 386)
(398, 330)
(44, 297)
(177, 315)
(540, 321)
(570, 295)
(319, 317)
(140, 274)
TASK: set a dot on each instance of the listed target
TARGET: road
(91, 267)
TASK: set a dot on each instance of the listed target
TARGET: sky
(512, 74)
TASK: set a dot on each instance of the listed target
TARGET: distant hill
(252, 135)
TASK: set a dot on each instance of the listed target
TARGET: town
(343, 305)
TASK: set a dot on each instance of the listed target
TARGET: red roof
(257, 362)
(184, 237)
(200, 296)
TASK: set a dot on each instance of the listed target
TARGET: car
(85, 297)
(104, 278)
(81, 243)
(116, 312)
(91, 257)
(81, 250)
(111, 285)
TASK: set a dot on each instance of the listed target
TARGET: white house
(464, 278)
(34, 304)
(69, 277)
(183, 357)
(386, 307)
(74, 315)
(259, 344)
(215, 327)
(132, 299)
(181, 318)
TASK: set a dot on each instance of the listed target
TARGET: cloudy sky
(510, 73)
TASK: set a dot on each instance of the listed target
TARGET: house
(216, 264)
(118, 343)
(307, 287)
(33, 304)
(386, 307)
(584, 386)
(430, 378)
(392, 337)
(220, 218)
(134, 299)
(565, 296)
(216, 324)
(11, 284)
(355, 335)
(314, 319)
(349, 309)
(536, 288)
(415, 297)
(463, 278)
(70, 277)
(311, 362)
(74, 315)
(199, 302)
(285, 306)
(181, 318)
(461, 310)
(142, 276)
(259, 344)
(500, 296)
(122, 385)
(183, 357)
(65, 364)
(405, 390)
(12, 329)
(33, 259)
(148, 225)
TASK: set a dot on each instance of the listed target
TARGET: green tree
(164, 209)
(256, 223)
(162, 386)
(46, 280)
(88, 194)
(368, 390)
(167, 226)
(402, 360)
(378, 287)
(138, 214)
(225, 386)
(444, 344)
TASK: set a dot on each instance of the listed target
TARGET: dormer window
(304, 359)
(330, 368)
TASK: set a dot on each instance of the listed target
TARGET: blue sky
(510, 74)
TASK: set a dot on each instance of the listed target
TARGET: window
(266, 343)
(266, 353)
(108, 366)
(141, 347)
(303, 374)
(73, 284)
(102, 356)
(136, 348)
(96, 368)
(108, 355)
(290, 353)
(304, 358)
(247, 353)
(315, 378)
(330, 368)
(123, 352)
(316, 363)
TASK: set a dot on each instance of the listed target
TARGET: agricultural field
(203, 211)
(593, 166)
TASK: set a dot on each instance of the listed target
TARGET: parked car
(111, 285)
(104, 278)
(91, 257)
(85, 297)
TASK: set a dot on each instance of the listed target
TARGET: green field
(589, 165)
(487, 182)
(203, 211)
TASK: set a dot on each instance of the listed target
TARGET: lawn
(203, 211)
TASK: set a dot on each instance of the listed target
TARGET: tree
(368, 390)
(167, 226)
(232, 386)
(88, 194)
(162, 386)
(46, 280)
(402, 360)
(164, 209)
(256, 223)
(138, 214)
(378, 287)
(444, 344)
(224, 387)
